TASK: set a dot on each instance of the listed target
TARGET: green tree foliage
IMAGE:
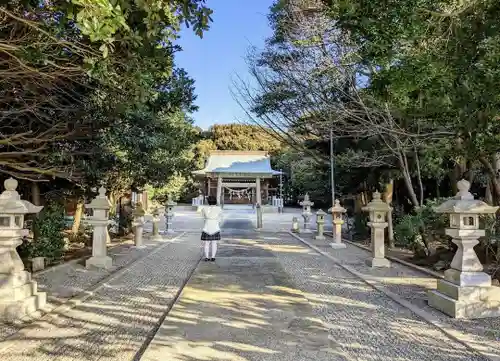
(409, 89)
(303, 175)
(48, 229)
(90, 91)
(242, 137)
(436, 63)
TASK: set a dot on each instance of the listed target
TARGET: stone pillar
(259, 216)
(320, 222)
(306, 212)
(145, 200)
(266, 191)
(378, 211)
(219, 190)
(295, 225)
(138, 225)
(99, 221)
(156, 224)
(258, 194)
(169, 214)
(466, 291)
(18, 293)
(208, 187)
(337, 212)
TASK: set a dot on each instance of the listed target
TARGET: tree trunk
(497, 174)
(454, 180)
(459, 169)
(419, 178)
(77, 218)
(112, 200)
(489, 195)
(35, 194)
(495, 181)
(125, 213)
(365, 199)
(411, 191)
(358, 203)
(407, 179)
(470, 173)
(388, 193)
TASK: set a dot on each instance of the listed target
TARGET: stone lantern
(378, 211)
(320, 222)
(295, 225)
(156, 221)
(169, 214)
(258, 208)
(337, 212)
(306, 212)
(99, 220)
(465, 291)
(18, 293)
(138, 224)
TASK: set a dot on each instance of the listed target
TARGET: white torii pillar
(258, 198)
(219, 190)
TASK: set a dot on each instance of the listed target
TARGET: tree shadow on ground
(290, 306)
(412, 286)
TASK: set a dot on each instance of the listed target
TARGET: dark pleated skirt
(210, 237)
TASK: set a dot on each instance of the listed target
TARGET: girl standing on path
(211, 230)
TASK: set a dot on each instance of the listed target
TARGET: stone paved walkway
(412, 285)
(270, 297)
(68, 280)
(118, 319)
(188, 220)
(267, 297)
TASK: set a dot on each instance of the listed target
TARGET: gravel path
(267, 297)
(412, 286)
(241, 308)
(270, 297)
(118, 319)
(365, 324)
(70, 279)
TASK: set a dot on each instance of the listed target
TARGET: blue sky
(214, 60)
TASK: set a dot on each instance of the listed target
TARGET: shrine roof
(238, 162)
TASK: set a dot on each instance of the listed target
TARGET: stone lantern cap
(464, 202)
(170, 202)
(11, 203)
(321, 213)
(101, 201)
(377, 204)
(337, 208)
(156, 211)
(306, 201)
(139, 210)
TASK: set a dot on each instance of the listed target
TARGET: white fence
(198, 201)
(277, 202)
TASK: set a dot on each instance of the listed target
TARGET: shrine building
(238, 177)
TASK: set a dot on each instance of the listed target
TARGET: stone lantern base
(156, 237)
(470, 295)
(99, 262)
(19, 296)
(335, 245)
(378, 262)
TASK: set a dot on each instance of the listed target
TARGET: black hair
(212, 201)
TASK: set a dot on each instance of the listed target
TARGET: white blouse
(212, 216)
